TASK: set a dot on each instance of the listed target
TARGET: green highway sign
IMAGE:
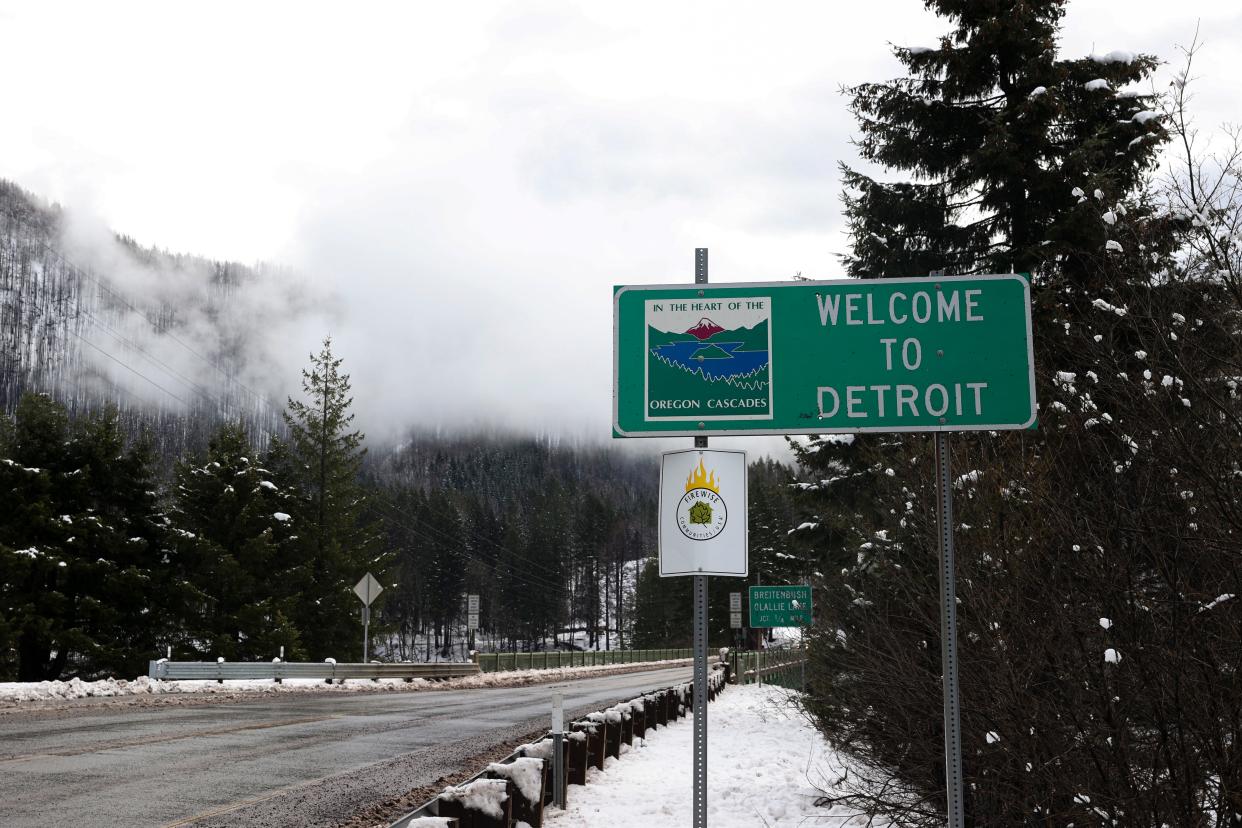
(853, 355)
(780, 606)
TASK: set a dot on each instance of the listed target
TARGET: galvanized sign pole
(948, 631)
(948, 636)
(558, 750)
(700, 638)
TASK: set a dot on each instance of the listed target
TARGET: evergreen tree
(1082, 538)
(444, 565)
(323, 458)
(82, 555)
(237, 553)
(1004, 145)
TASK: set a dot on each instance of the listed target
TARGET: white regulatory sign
(472, 604)
(735, 602)
(703, 513)
(368, 589)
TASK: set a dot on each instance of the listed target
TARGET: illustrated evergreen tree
(237, 553)
(82, 546)
(323, 459)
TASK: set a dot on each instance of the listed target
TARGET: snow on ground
(36, 691)
(764, 763)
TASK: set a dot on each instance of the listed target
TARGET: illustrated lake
(720, 359)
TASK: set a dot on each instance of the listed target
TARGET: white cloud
(471, 179)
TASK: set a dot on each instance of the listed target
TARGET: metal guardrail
(589, 740)
(550, 659)
(278, 670)
(783, 666)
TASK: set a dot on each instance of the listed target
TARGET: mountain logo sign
(701, 512)
(709, 359)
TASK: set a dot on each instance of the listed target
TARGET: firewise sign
(857, 355)
(703, 513)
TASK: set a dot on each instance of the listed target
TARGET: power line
(128, 367)
(407, 522)
(155, 360)
(164, 330)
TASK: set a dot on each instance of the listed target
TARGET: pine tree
(445, 566)
(1016, 159)
(237, 553)
(82, 546)
(323, 458)
(1004, 146)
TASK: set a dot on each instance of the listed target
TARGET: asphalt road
(292, 759)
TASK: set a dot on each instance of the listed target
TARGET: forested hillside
(229, 526)
(162, 337)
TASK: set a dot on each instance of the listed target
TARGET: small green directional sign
(780, 606)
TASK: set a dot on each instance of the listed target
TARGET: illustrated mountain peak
(704, 329)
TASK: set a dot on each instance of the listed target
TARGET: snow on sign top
(368, 589)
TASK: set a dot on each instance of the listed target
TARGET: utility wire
(155, 360)
(164, 330)
(408, 522)
(129, 367)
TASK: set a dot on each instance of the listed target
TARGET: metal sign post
(948, 636)
(700, 638)
(367, 590)
(955, 805)
(558, 750)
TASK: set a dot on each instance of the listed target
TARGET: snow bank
(526, 774)
(42, 691)
(484, 795)
(761, 753)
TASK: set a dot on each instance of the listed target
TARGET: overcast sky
(470, 179)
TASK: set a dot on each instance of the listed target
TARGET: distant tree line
(240, 551)
(103, 566)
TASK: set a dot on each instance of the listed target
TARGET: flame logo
(700, 479)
